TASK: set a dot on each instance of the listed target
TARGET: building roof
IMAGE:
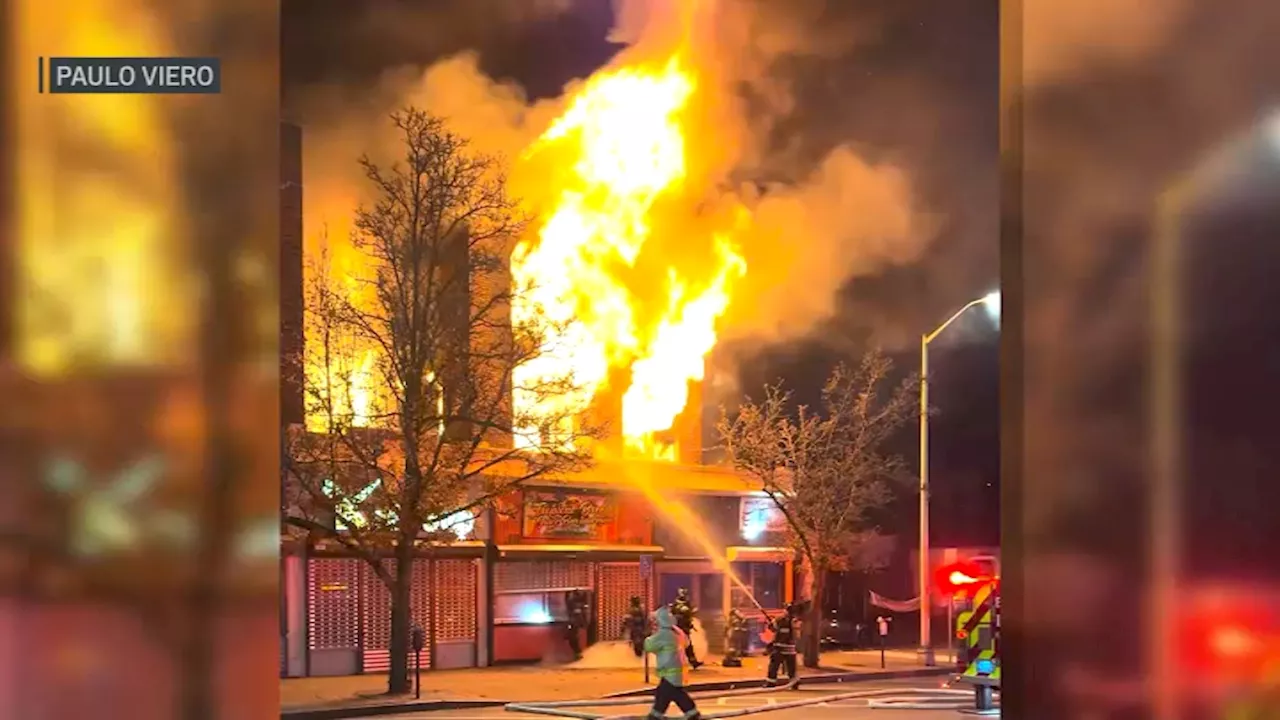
(655, 476)
(618, 474)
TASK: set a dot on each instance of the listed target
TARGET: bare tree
(826, 471)
(409, 369)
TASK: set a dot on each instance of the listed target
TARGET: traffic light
(960, 577)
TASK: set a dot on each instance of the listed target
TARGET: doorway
(671, 584)
(706, 590)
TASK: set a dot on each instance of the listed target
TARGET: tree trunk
(398, 681)
(813, 632)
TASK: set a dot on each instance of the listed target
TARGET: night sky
(914, 83)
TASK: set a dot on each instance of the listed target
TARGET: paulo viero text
(162, 75)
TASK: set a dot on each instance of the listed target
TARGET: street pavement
(860, 708)
(604, 671)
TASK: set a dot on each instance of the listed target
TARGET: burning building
(636, 271)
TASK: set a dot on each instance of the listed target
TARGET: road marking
(843, 704)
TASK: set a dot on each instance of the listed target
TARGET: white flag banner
(903, 606)
(911, 605)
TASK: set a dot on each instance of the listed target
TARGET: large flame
(627, 262)
(94, 243)
(344, 384)
(621, 148)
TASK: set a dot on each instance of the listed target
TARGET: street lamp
(1237, 170)
(990, 301)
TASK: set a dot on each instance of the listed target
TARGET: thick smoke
(817, 221)
(848, 218)
(1065, 39)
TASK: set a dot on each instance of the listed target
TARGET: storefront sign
(761, 515)
(558, 515)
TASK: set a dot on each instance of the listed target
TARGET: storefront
(338, 612)
(746, 532)
(762, 562)
(554, 540)
(499, 596)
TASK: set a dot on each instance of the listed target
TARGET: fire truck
(974, 586)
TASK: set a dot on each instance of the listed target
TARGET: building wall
(628, 522)
(716, 516)
(687, 428)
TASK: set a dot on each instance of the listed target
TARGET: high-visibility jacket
(668, 646)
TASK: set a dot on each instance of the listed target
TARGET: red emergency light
(960, 577)
(1228, 637)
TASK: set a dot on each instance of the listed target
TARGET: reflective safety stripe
(978, 629)
(985, 665)
(983, 603)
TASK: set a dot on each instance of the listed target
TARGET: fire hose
(869, 695)
(892, 698)
(925, 699)
(564, 708)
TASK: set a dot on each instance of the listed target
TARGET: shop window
(711, 593)
(766, 581)
(518, 608)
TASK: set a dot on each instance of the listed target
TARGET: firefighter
(635, 626)
(684, 611)
(735, 639)
(669, 644)
(575, 603)
(781, 647)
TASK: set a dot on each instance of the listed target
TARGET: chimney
(454, 366)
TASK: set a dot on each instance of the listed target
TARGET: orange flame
(628, 265)
(620, 149)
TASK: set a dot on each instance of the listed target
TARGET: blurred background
(1137, 525)
(138, 371)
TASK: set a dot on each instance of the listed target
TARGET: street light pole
(992, 302)
(926, 644)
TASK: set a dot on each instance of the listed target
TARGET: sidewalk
(547, 682)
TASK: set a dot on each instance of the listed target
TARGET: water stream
(639, 476)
